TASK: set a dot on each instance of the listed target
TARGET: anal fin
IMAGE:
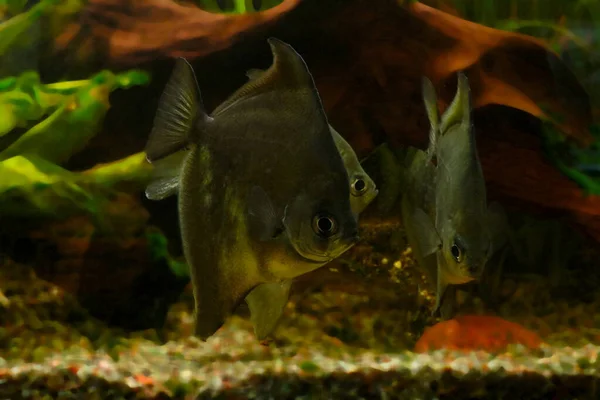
(267, 302)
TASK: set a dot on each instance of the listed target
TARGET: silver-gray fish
(267, 300)
(453, 224)
(362, 187)
(418, 182)
(263, 193)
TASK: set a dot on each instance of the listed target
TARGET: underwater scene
(299, 199)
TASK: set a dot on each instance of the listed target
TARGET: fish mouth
(323, 258)
(459, 279)
(311, 256)
(372, 196)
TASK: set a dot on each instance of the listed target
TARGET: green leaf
(77, 109)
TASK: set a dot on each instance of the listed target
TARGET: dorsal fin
(459, 111)
(179, 107)
(430, 101)
(254, 73)
(343, 147)
(287, 73)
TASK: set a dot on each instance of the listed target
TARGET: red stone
(476, 332)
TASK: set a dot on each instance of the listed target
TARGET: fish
(362, 187)
(447, 212)
(262, 191)
(165, 174)
(267, 301)
(418, 202)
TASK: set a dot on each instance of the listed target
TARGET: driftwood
(367, 59)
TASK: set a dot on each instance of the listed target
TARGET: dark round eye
(359, 186)
(456, 253)
(324, 225)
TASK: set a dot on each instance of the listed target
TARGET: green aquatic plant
(73, 109)
(13, 28)
(157, 243)
(237, 6)
(33, 187)
(59, 119)
(580, 165)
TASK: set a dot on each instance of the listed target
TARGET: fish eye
(324, 225)
(456, 253)
(359, 187)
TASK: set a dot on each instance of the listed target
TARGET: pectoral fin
(263, 221)
(441, 283)
(165, 177)
(497, 225)
(447, 303)
(267, 302)
(391, 178)
(427, 237)
(491, 281)
(430, 268)
(439, 295)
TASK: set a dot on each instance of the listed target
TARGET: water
(95, 295)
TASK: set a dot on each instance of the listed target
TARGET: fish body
(453, 221)
(362, 187)
(461, 205)
(262, 190)
(267, 300)
(418, 203)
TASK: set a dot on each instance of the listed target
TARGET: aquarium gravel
(232, 365)
(48, 353)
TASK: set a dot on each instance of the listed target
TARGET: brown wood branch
(504, 63)
(137, 31)
(393, 47)
(367, 59)
(520, 172)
